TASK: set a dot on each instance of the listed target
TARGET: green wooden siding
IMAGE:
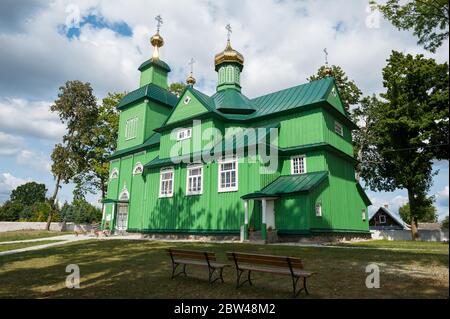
(183, 111)
(306, 129)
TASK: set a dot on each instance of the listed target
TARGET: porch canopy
(282, 186)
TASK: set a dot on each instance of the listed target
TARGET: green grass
(28, 234)
(141, 269)
(418, 246)
(6, 247)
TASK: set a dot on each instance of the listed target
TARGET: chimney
(386, 206)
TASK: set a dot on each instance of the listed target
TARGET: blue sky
(45, 43)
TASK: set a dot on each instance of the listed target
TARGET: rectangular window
(131, 128)
(338, 128)
(363, 214)
(184, 134)
(194, 180)
(228, 175)
(319, 209)
(382, 219)
(298, 165)
(166, 182)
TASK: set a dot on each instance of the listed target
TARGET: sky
(43, 44)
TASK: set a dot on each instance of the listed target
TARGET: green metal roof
(233, 101)
(363, 194)
(161, 64)
(151, 141)
(290, 184)
(152, 92)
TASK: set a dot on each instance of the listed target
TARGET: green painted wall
(154, 75)
(343, 143)
(302, 130)
(183, 111)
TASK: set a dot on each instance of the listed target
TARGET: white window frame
(131, 128)
(293, 158)
(187, 100)
(339, 128)
(114, 173)
(184, 134)
(384, 219)
(363, 214)
(318, 209)
(219, 175)
(136, 167)
(194, 178)
(166, 170)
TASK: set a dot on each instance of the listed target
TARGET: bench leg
(294, 285)
(239, 274)
(219, 276)
(174, 268)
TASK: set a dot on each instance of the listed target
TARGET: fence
(11, 226)
(424, 235)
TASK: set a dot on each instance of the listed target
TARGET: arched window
(124, 195)
(114, 173)
(138, 169)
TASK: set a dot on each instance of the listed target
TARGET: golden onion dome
(327, 71)
(157, 40)
(191, 80)
(229, 55)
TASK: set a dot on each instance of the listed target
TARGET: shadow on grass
(141, 269)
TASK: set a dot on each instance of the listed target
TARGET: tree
(429, 19)
(105, 131)
(29, 194)
(80, 212)
(177, 88)
(77, 108)
(399, 153)
(425, 214)
(10, 211)
(348, 90)
(444, 224)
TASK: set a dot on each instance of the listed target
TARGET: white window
(194, 180)
(187, 100)
(138, 169)
(363, 214)
(184, 134)
(166, 182)
(114, 173)
(131, 128)
(382, 219)
(319, 209)
(228, 175)
(298, 165)
(338, 128)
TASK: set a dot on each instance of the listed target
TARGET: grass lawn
(29, 234)
(419, 246)
(141, 269)
(6, 247)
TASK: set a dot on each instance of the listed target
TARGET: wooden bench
(196, 258)
(280, 265)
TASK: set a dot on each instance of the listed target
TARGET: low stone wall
(14, 226)
(424, 235)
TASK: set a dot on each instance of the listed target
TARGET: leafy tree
(429, 19)
(104, 142)
(444, 224)
(177, 88)
(40, 212)
(348, 90)
(80, 212)
(77, 108)
(29, 193)
(425, 214)
(10, 211)
(399, 153)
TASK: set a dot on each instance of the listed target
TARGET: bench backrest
(191, 254)
(267, 260)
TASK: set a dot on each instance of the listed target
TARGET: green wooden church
(230, 165)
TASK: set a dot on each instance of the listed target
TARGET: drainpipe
(263, 225)
(245, 219)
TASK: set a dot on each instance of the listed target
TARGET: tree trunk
(412, 210)
(53, 203)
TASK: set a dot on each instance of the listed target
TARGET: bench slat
(277, 270)
(191, 254)
(278, 261)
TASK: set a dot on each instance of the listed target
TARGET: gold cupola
(157, 40)
(229, 55)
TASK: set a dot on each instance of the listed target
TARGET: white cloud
(394, 203)
(8, 182)
(32, 119)
(9, 144)
(38, 161)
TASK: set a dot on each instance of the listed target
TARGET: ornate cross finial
(191, 64)
(326, 56)
(159, 19)
(230, 30)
